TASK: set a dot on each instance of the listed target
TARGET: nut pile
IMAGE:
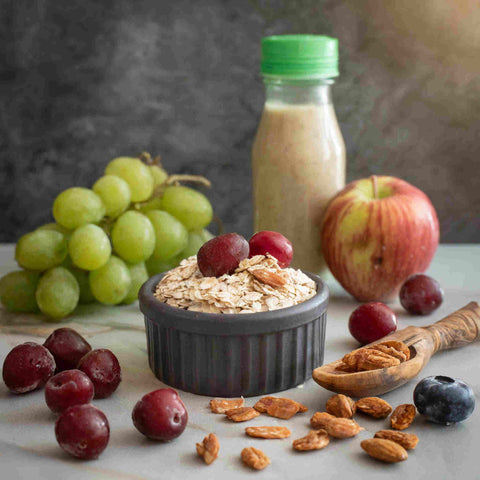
(387, 445)
(380, 355)
(257, 285)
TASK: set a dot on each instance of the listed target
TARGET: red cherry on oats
(273, 243)
(68, 388)
(421, 294)
(67, 347)
(160, 415)
(103, 369)
(82, 431)
(27, 367)
(372, 321)
(222, 254)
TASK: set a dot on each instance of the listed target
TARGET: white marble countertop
(28, 449)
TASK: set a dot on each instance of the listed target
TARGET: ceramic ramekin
(234, 354)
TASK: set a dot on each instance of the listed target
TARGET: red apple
(375, 233)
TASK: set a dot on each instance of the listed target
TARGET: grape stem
(176, 179)
(145, 157)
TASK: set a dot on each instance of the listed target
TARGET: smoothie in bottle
(298, 155)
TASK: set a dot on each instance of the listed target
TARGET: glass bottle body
(298, 162)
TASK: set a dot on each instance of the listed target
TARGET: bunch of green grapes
(106, 241)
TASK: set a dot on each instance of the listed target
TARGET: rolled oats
(258, 285)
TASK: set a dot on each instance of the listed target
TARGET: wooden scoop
(455, 330)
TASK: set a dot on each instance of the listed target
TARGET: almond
(221, 405)
(335, 427)
(395, 349)
(369, 359)
(380, 355)
(384, 450)
(241, 414)
(268, 432)
(374, 406)
(314, 440)
(283, 408)
(270, 277)
(407, 440)
(403, 416)
(283, 403)
(209, 448)
(340, 406)
(255, 458)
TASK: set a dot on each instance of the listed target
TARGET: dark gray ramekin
(230, 355)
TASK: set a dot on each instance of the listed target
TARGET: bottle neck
(298, 92)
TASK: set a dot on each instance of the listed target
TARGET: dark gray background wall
(83, 81)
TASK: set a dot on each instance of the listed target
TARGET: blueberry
(444, 400)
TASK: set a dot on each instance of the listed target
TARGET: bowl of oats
(257, 330)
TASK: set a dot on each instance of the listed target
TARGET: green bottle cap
(300, 56)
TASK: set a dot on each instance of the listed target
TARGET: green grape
(189, 206)
(170, 235)
(77, 206)
(17, 291)
(133, 237)
(57, 293)
(89, 247)
(81, 276)
(41, 249)
(56, 228)
(196, 238)
(159, 175)
(115, 194)
(139, 275)
(154, 204)
(110, 284)
(155, 266)
(135, 173)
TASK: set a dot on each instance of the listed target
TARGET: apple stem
(375, 186)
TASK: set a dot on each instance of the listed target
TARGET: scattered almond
(221, 405)
(263, 403)
(209, 448)
(335, 427)
(268, 432)
(407, 440)
(340, 406)
(384, 450)
(283, 408)
(279, 407)
(255, 458)
(403, 416)
(374, 406)
(241, 414)
(314, 440)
